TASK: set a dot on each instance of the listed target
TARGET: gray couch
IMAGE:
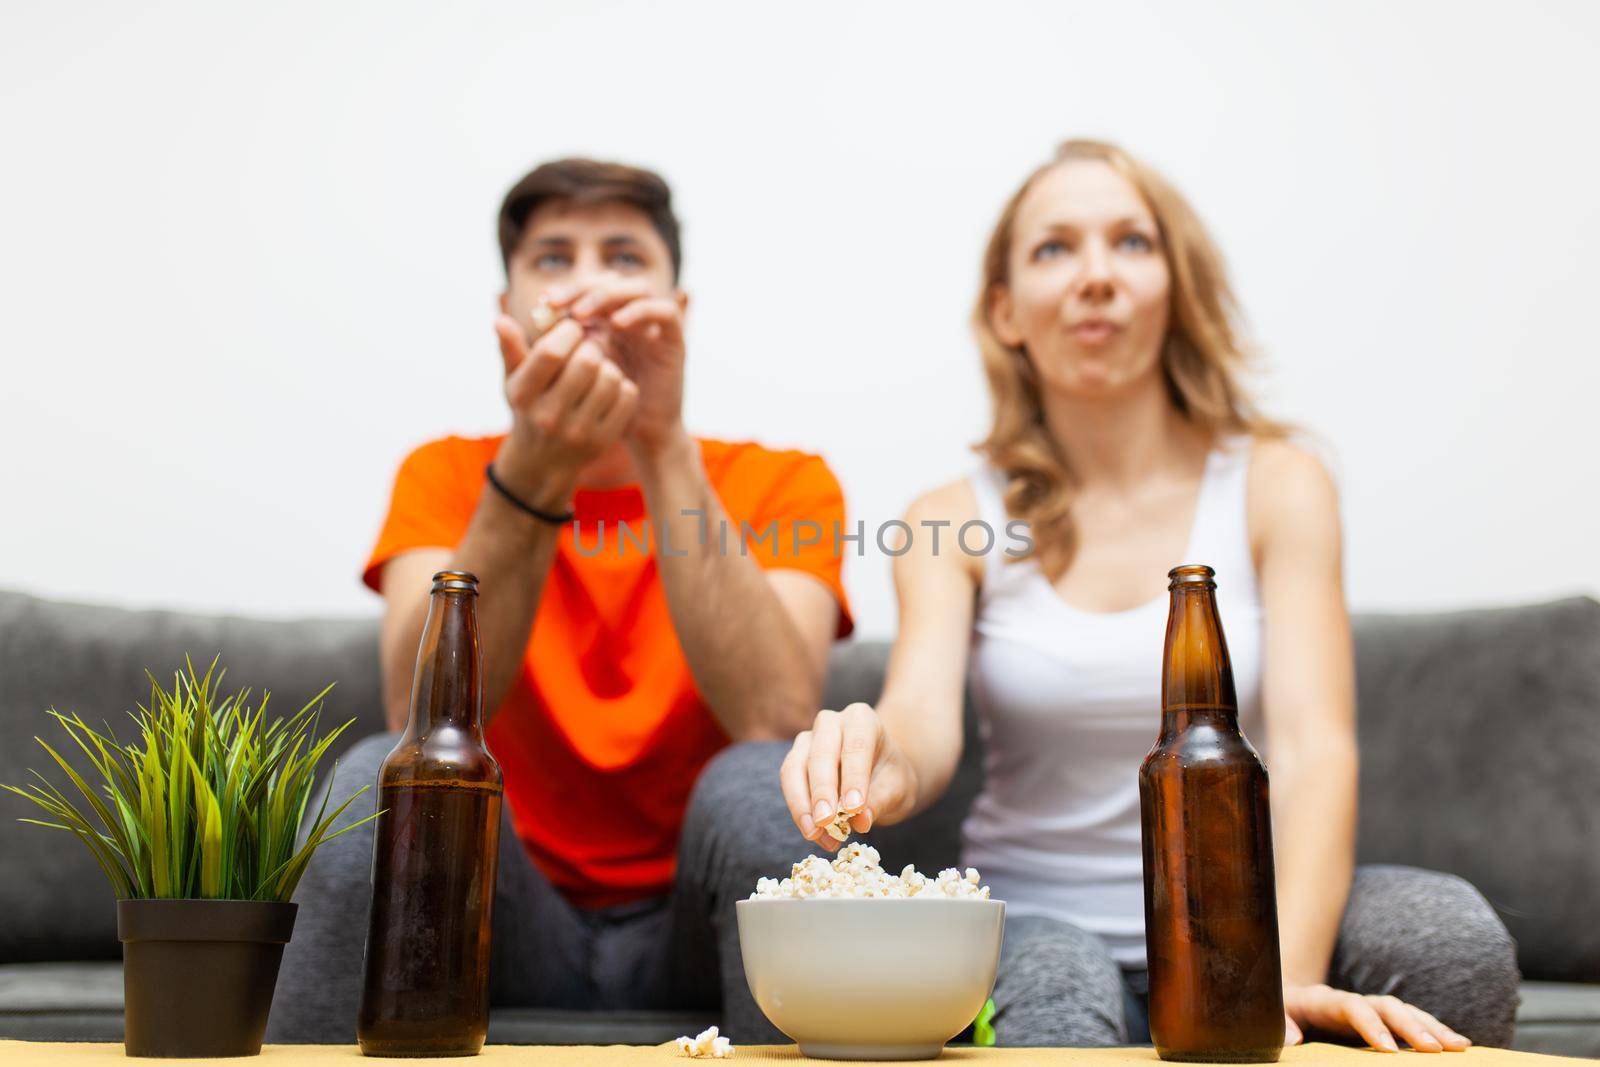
(1480, 749)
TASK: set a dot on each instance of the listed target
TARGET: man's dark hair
(589, 181)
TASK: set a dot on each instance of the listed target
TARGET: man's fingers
(1291, 1031)
(660, 312)
(822, 768)
(561, 338)
(579, 373)
(1403, 1020)
(543, 364)
(606, 296)
(792, 778)
(621, 413)
(513, 345)
(596, 404)
(858, 746)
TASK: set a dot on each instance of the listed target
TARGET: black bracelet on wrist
(554, 518)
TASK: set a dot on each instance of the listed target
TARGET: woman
(1122, 436)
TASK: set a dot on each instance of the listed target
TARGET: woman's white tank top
(1070, 703)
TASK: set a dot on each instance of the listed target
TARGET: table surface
(51, 1054)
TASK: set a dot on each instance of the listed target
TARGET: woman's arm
(1308, 696)
(891, 762)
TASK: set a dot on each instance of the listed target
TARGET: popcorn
(856, 873)
(705, 1044)
(839, 828)
(544, 316)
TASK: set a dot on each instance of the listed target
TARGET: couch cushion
(61, 1001)
(1480, 755)
(556, 1026)
(54, 902)
(1559, 1018)
(83, 1002)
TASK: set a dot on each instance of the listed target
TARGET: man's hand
(1376, 1020)
(644, 334)
(568, 403)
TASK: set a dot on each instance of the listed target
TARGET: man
(646, 598)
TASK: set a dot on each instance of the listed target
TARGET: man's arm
(757, 644)
(510, 552)
(568, 404)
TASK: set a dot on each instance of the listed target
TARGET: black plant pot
(198, 975)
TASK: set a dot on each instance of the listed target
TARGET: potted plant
(197, 825)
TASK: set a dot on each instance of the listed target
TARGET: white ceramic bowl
(871, 979)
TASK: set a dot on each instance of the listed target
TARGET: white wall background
(247, 255)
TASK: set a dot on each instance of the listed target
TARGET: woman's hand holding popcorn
(847, 765)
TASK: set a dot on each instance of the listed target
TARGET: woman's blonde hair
(1201, 358)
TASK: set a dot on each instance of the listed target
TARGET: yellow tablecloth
(61, 1054)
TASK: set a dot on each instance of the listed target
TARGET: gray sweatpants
(1427, 938)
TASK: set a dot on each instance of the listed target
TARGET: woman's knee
(1058, 985)
(1407, 912)
(1431, 939)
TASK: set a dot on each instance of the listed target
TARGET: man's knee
(737, 809)
(359, 764)
(739, 780)
(347, 857)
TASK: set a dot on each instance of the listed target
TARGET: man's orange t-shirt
(603, 733)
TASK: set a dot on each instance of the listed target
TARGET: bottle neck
(1196, 674)
(447, 689)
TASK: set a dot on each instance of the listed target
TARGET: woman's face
(1089, 282)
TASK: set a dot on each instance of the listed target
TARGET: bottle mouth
(455, 581)
(1191, 574)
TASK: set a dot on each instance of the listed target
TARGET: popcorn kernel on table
(706, 1044)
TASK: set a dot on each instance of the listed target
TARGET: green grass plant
(207, 803)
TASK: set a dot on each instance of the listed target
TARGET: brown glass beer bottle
(1211, 916)
(426, 988)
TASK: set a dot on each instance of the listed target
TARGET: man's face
(572, 244)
